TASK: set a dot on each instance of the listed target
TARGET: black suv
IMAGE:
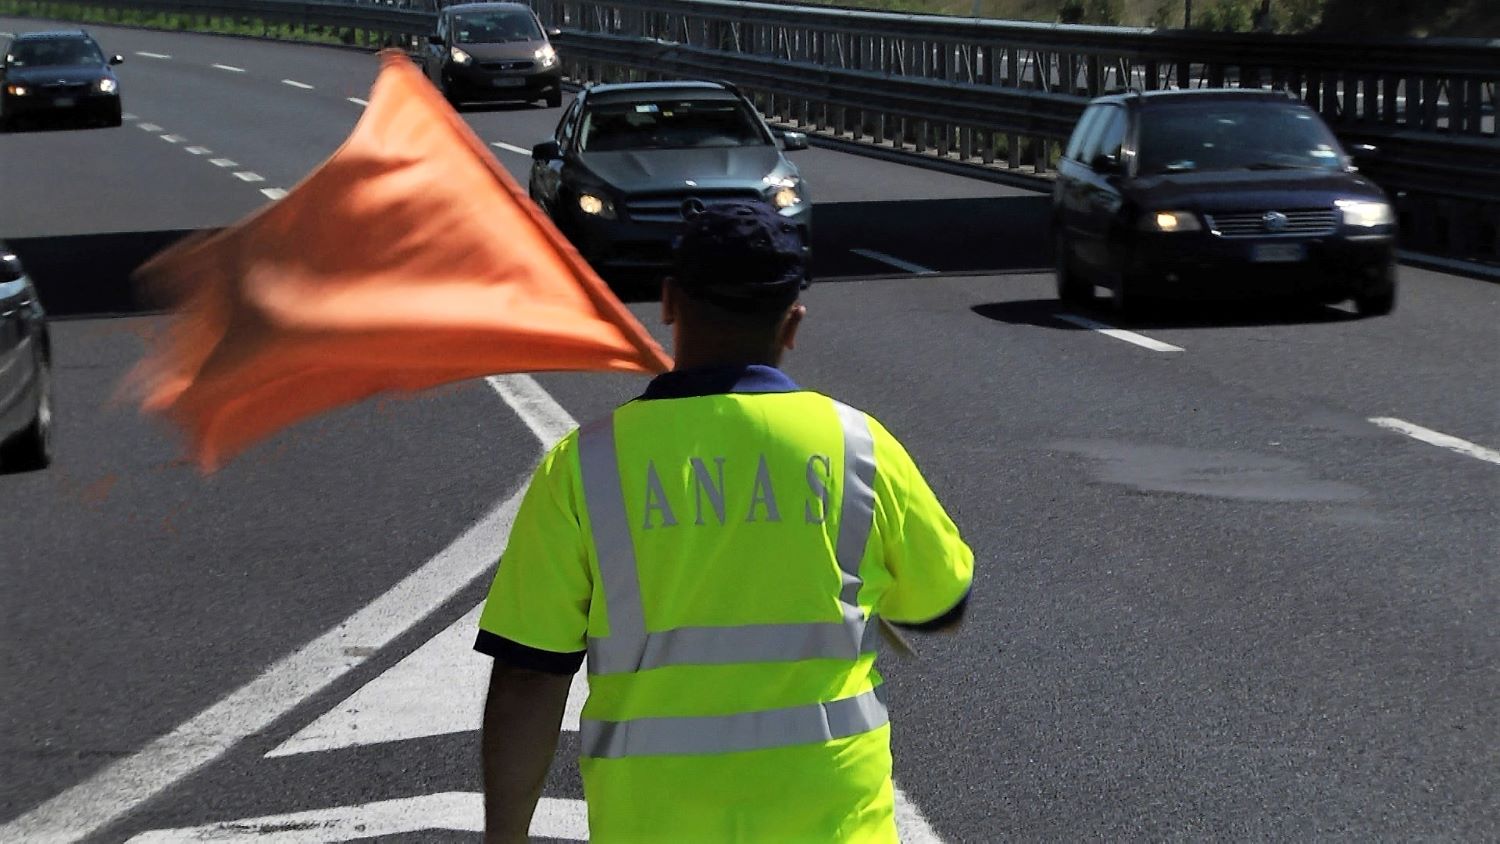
(1216, 194)
(55, 74)
(629, 161)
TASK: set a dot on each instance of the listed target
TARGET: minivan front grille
(1307, 222)
(517, 65)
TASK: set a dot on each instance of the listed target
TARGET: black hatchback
(1217, 194)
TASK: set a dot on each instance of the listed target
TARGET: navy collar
(718, 380)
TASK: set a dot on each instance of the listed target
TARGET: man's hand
(522, 716)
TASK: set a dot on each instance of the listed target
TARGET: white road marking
(1439, 439)
(359, 102)
(127, 783)
(149, 127)
(274, 193)
(511, 148)
(223, 162)
(459, 811)
(198, 150)
(295, 84)
(892, 261)
(229, 67)
(127, 116)
(173, 139)
(1119, 333)
(248, 176)
(7, 35)
(152, 55)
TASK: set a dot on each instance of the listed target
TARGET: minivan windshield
(495, 27)
(669, 124)
(1190, 137)
(53, 52)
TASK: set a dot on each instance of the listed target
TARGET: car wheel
(554, 99)
(1377, 303)
(1070, 287)
(31, 449)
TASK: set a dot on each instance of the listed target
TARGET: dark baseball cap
(742, 256)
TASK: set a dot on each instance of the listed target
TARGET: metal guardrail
(995, 96)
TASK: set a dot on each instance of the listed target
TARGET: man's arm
(522, 716)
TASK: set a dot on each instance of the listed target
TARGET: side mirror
(1105, 163)
(10, 268)
(554, 32)
(793, 141)
(117, 59)
(546, 151)
(435, 40)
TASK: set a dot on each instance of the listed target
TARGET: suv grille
(1301, 223)
(668, 209)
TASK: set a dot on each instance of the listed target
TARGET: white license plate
(64, 102)
(1278, 253)
(508, 82)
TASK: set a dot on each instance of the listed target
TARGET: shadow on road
(1174, 315)
(88, 275)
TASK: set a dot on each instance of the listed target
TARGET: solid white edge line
(249, 176)
(120, 787)
(152, 55)
(1438, 438)
(1119, 333)
(359, 102)
(893, 261)
(295, 84)
(229, 67)
(511, 148)
(274, 193)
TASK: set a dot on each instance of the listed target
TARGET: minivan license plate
(509, 82)
(1278, 253)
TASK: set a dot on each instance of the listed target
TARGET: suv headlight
(1171, 221)
(595, 205)
(17, 90)
(547, 56)
(785, 194)
(460, 57)
(106, 86)
(1366, 215)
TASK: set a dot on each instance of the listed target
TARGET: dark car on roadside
(493, 52)
(629, 161)
(1218, 194)
(25, 372)
(49, 75)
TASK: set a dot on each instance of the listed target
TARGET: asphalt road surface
(1237, 568)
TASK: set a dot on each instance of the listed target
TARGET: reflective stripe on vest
(629, 648)
(814, 723)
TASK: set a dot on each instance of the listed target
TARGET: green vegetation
(218, 24)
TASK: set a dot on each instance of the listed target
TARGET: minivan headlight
(459, 56)
(1171, 221)
(547, 56)
(1365, 214)
(17, 90)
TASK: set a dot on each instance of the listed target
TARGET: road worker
(718, 549)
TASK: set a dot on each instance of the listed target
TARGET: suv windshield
(1234, 136)
(495, 27)
(669, 124)
(50, 52)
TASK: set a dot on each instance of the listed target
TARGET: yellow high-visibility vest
(721, 559)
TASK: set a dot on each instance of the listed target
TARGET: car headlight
(1366, 215)
(1171, 221)
(596, 206)
(17, 90)
(547, 56)
(460, 57)
(784, 193)
(106, 86)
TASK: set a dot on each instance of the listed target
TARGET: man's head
(732, 298)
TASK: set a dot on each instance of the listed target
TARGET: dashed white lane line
(173, 139)
(223, 162)
(511, 148)
(197, 150)
(229, 67)
(1119, 333)
(295, 84)
(7, 35)
(273, 193)
(1437, 438)
(152, 55)
(149, 127)
(893, 261)
(359, 102)
(126, 783)
(128, 116)
(248, 176)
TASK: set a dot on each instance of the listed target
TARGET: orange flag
(409, 259)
